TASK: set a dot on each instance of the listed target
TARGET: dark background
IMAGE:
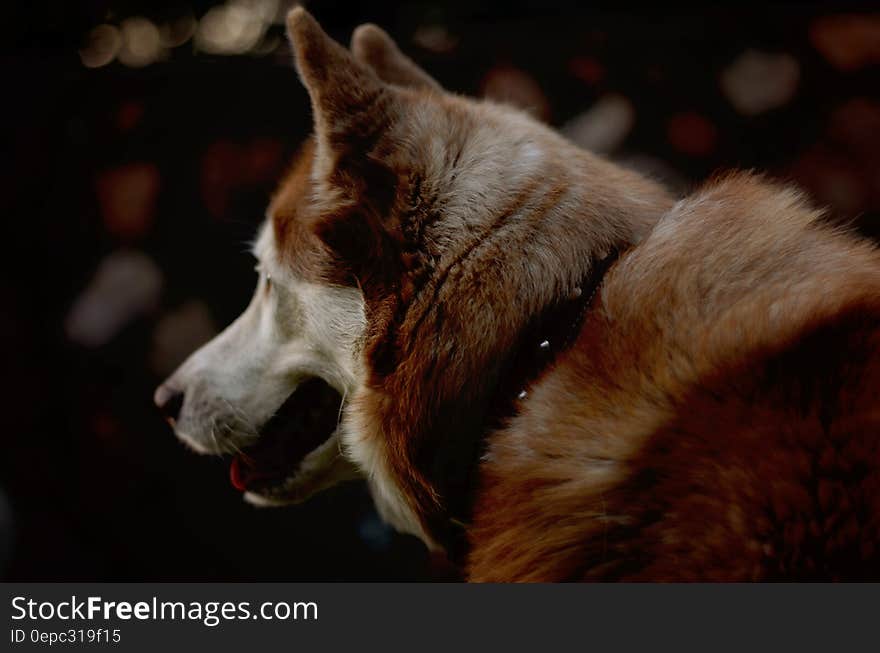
(135, 171)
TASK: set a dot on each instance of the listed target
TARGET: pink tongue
(237, 476)
(242, 474)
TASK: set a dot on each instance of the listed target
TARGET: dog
(542, 363)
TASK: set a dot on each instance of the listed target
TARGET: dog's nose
(169, 401)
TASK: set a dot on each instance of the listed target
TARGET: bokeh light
(141, 42)
(178, 31)
(228, 29)
(102, 46)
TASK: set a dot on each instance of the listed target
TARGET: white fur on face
(291, 331)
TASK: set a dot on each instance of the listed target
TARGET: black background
(97, 487)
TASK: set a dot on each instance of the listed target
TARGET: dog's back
(718, 418)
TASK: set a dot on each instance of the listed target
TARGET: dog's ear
(349, 102)
(372, 46)
(351, 107)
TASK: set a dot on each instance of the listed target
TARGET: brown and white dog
(540, 361)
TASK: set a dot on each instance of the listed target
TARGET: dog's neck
(548, 336)
(443, 350)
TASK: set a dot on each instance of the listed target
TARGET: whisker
(240, 415)
(219, 449)
(229, 442)
(339, 421)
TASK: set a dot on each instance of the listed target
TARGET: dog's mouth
(305, 421)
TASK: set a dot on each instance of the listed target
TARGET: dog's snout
(169, 401)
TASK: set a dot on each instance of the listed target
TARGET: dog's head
(415, 236)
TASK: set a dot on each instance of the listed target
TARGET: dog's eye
(268, 282)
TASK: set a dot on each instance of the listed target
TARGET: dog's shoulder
(741, 266)
(724, 383)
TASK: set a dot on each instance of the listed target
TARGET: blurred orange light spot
(127, 198)
(129, 115)
(587, 69)
(505, 83)
(848, 41)
(692, 134)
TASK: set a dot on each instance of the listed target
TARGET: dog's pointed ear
(372, 46)
(348, 99)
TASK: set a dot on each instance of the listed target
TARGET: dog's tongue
(242, 473)
(236, 476)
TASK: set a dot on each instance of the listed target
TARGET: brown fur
(717, 416)
(718, 419)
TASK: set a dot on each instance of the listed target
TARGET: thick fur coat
(717, 416)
